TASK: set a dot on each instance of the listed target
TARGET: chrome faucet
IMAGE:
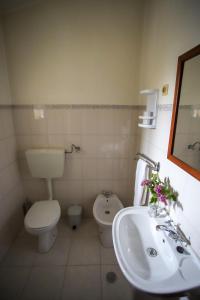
(175, 232)
(162, 227)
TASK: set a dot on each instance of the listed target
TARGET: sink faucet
(175, 232)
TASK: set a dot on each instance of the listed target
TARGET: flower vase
(157, 210)
(153, 210)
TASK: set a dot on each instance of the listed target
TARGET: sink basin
(148, 258)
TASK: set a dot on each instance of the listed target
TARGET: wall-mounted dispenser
(148, 118)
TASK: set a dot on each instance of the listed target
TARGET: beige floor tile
(44, 283)
(108, 256)
(88, 228)
(118, 290)
(21, 253)
(63, 228)
(57, 255)
(85, 251)
(139, 295)
(82, 283)
(12, 282)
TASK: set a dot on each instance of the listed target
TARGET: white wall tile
(24, 169)
(35, 189)
(73, 168)
(39, 141)
(104, 185)
(120, 187)
(89, 122)
(68, 192)
(22, 121)
(121, 148)
(120, 168)
(24, 142)
(89, 145)
(106, 146)
(90, 192)
(73, 121)
(104, 168)
(55, 121)
(105, 122)
(134, 121)
(89, 168)
(38, 126)
(11, 149)
(122, 121)
(7, 122)
(57, 140)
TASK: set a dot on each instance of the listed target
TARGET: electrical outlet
(165, 89)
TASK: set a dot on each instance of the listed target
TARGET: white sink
(134, 235)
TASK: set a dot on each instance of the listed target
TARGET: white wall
(70, 52)
(170, 29)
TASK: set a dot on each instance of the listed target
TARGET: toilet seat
(43, 214)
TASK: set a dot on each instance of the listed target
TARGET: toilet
(105, 208)
(42, 218)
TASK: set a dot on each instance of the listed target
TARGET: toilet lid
(43, 214)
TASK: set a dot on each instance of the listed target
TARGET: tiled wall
(11, 191)
(107, 137)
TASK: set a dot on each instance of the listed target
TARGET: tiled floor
(74, 269)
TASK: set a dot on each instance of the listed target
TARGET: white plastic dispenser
(148, 118)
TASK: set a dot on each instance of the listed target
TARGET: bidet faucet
(107, 194)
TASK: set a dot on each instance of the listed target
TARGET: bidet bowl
(104, 211)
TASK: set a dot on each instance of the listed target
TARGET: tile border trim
(161, 107)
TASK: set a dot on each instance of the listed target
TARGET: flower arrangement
(161, 191)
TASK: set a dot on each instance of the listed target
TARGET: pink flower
(163, 199)
(145, 182)
(158, 189)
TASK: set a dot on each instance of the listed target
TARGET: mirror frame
(179, 75)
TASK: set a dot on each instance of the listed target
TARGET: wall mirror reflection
(184, 143)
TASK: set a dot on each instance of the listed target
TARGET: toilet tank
(46, 163)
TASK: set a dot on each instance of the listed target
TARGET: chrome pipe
(151, 164)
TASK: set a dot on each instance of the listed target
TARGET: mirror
(184, 141)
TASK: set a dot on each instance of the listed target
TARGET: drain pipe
(49, 186)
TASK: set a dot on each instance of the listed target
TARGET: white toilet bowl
(41, 220)
(104, 210)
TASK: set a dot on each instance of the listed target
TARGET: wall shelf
(145, 126)
(150, 114)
